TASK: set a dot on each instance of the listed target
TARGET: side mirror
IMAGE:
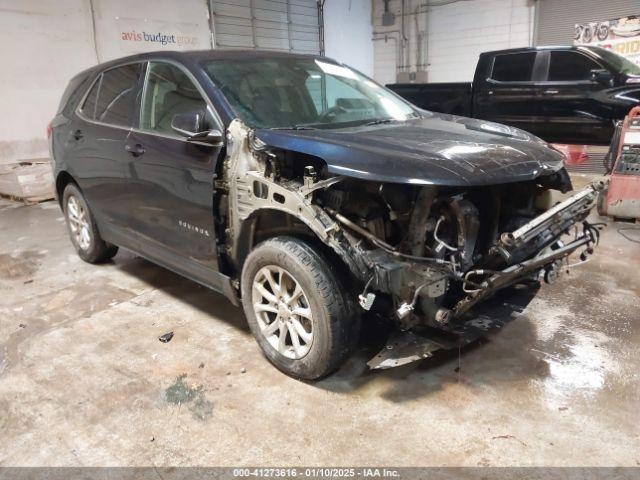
(187, 124)
(191, 125)
(603, 77)
(213, 137)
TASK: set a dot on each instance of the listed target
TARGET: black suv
(309, 193)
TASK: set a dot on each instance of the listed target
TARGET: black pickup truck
(561, 94)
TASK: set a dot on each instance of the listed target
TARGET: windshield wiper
(294, 127)
(381, 121)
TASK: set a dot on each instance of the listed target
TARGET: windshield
(617, 61)
(294, 92)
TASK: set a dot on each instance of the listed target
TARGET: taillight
(49, 130)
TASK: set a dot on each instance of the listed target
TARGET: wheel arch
(266, 223)
(63, 179)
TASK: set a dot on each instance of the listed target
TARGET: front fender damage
(253, 186)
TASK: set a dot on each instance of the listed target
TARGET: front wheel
(303, 320)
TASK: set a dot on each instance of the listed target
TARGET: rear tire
(82, 228)
(290, 290)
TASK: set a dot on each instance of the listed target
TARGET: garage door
(285, 25)
(555, 19)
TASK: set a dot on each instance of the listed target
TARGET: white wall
(46, 42)
(43, 44)
(456, 34)
(347, 34)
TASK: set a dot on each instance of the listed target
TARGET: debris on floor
(509, 437)
(166, 337)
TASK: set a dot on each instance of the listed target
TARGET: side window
(513, 67)
(168, 92)
(111, 97)
(89, 106)
(567, 66)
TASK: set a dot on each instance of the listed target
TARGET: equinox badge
(202, 231)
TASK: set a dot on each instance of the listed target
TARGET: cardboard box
(31, 181)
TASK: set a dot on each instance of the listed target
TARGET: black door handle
(135, 150)
(77, 134)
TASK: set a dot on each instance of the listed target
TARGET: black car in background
(561, 94)
(310, 194)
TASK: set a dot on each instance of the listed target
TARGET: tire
(82, 228)
(330, 316)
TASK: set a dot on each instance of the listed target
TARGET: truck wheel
(303, 320)
(82, 228)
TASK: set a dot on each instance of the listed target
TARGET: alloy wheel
(283, 312)
(79, 223)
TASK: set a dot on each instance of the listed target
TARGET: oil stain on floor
(19, 266)
(180, 393)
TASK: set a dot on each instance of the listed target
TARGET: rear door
(509, 94)
(171, 180)
(574, 106)
(96, 141)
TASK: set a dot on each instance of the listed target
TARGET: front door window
(565, 66)
(168, 92)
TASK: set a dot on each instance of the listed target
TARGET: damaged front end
(436, 253)
(425, 256)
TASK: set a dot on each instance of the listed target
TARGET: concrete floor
(85, 381)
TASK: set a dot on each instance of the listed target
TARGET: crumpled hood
(437, 149)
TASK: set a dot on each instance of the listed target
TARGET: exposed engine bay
(421, 255)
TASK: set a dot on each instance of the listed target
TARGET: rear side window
(111, 98)
(513, 67)
(570, 66)
(89, 105)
